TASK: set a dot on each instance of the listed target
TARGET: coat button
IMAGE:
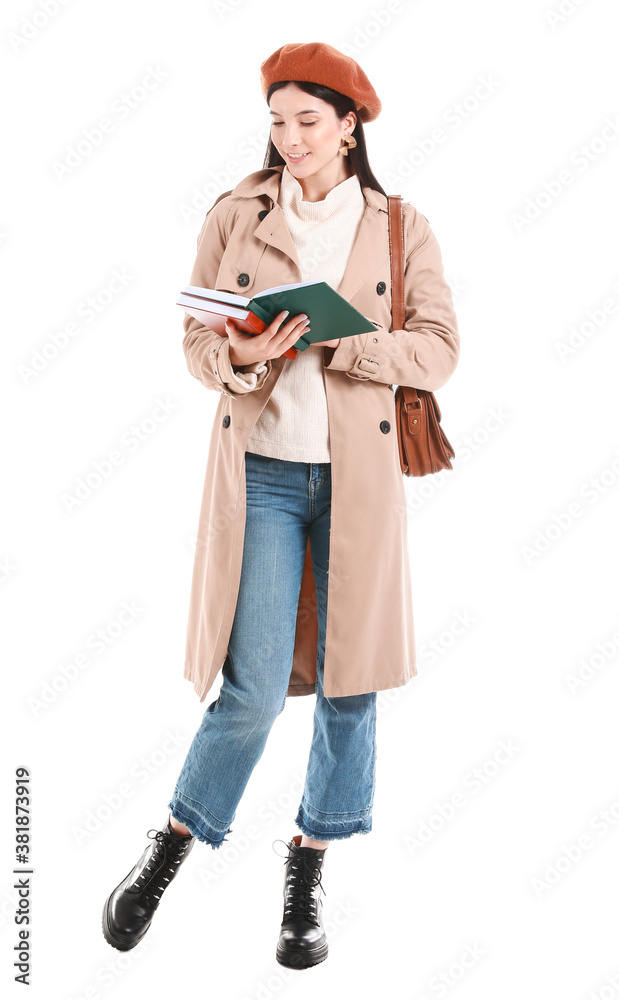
(263, 214)
(385, 426)
(243, 279)
(381, 288)
(226, 421)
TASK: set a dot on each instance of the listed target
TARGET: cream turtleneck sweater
(294, 424)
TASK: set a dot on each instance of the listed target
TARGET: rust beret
(318, 62)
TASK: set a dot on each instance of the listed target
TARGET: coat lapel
(365, 256)
(274, 231)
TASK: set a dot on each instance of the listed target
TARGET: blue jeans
(285, 501)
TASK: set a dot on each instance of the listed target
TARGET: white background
(532, 260)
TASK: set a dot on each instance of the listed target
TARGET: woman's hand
(246, 348)
(326, 343)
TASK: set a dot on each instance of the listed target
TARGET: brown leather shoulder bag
(422, 443)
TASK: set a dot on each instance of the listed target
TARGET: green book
(330, 315)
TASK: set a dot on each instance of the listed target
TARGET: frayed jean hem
(195, 824)
(334, 831)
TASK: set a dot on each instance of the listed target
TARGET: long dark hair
(357, 157)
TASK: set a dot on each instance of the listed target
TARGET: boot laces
(166, 856)
(305, 877)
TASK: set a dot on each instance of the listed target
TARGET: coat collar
(267, 182)
(365, 257)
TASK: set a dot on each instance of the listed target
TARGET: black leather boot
(302, 940)
(130, 908)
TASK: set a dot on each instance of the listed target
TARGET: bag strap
(396, 257)
(407, 397)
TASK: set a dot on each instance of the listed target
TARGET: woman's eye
(302, 123)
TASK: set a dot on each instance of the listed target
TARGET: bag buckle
(414, 421)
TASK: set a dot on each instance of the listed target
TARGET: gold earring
(349, 143)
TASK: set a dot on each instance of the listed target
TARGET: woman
(301, 580)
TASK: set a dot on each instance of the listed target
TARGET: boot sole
(301, 959)
(120, 943)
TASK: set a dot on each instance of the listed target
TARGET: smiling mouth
(296, 159)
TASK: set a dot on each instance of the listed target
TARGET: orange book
(213, 312)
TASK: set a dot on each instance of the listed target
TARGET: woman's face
(307, 125)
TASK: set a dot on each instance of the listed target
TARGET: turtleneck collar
(346, 193)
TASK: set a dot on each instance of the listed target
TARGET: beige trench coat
(245, 246)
